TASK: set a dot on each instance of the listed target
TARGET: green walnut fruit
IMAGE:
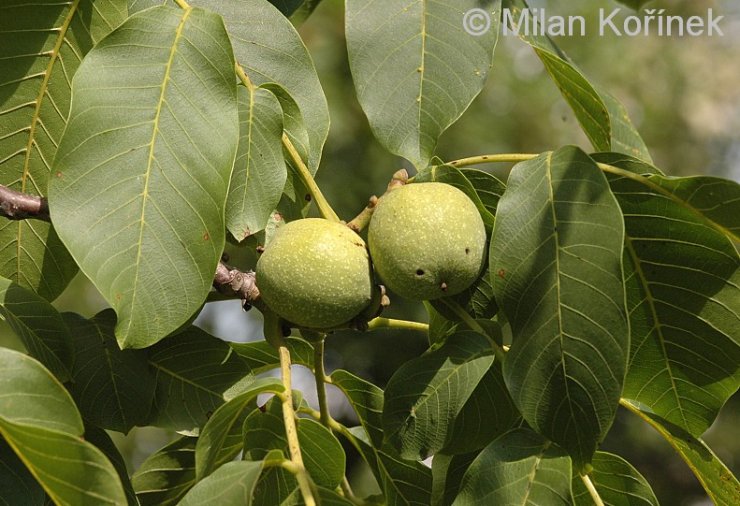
(427, 240)
(315, 273)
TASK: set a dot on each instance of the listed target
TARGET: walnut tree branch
(21, 206)
(400, 178)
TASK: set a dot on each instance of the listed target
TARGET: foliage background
(683, 95)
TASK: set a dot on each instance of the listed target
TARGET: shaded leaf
(32, 396)
(259, 172)
(403, 482)
(367, 401)
(113, 388)
(322, 453)
(18, 487)
(260, 356)
(143, 168)
(426, 394)
(488, 413)
(683, 293)
(557, 254)
(626, 162)
(624, 135)
(520, 467)
(211, 443)
(41, 46)
(447, 475)
(616, 481)
(720, 484)
(416, 69)
(38, 325)
(195, 373)
(232, 483)
(440, 327)
(166, 475)
(102, 441)
(270, 50)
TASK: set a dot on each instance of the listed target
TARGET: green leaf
(195, 374)
(135, 6)
(72, 471)
(720, 484)
(557, 254)
(440, 327)
(322, 453)
(260, 356)
(214, 435)
(139, 195)
(453, 176)
(624, 135)
(33, 396)
(403, 482)
(102, 441)
(276, 487)
(426, 394)
(41, 45)
(616, 481)
(18, 487)
(626, 162)
(270, 50)
(416, 69)
(113, 388)
(367, 401)
(232, 483)
(166, 476)
(447, 475)
(259, 171)
(38, 325)
(683, 293)
(488, 187)
(602, 117)
(520, 467)
(488, 413)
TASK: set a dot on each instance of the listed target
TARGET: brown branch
(20, 206)
(227, 280)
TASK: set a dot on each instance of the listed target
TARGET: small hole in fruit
(420, 272)
(467, 251)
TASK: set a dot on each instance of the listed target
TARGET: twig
(235, 283)
(388, 323)
(359, 222)
(592, 490)
(21, 206)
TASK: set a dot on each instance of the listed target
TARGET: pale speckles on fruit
(315, 273)
(427, 240)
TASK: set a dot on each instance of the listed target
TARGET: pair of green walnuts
(426, 241)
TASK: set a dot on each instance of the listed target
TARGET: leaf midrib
(150, 157)
(54, 54)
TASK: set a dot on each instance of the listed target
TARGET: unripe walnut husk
(315, 274)
(427, 241)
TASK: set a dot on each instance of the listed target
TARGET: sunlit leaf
(38, 325)
(113, 388)
(232, 483)
(41, 46)
(143, 168)
(270, 50)
(616, 481)
(72, 471)
(425, 395)
(520, 467)
(260, 356)
(259, 171)
(32, 396)
(416, 68)
(557, 254)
